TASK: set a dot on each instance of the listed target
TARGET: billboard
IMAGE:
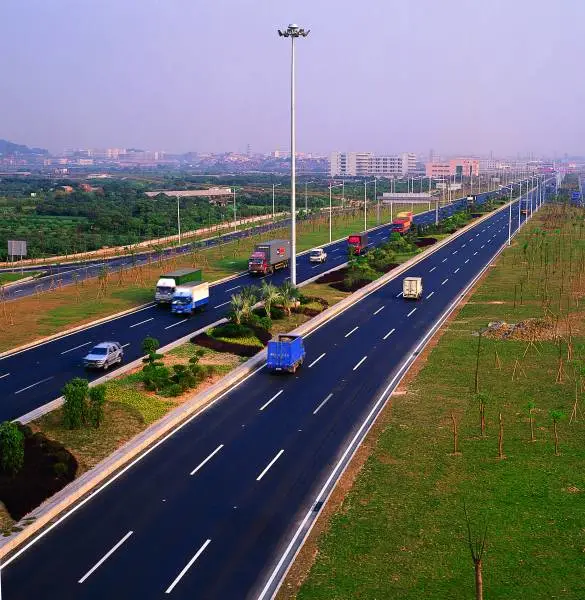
(17, 248)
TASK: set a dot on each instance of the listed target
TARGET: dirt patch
(40, 477)
(424, 242)
(333, 276)
(527, 330)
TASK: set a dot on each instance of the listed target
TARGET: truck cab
(358, 243)
(165, 288)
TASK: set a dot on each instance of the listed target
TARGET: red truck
(358, 242)
(269, 256)
(401, 225)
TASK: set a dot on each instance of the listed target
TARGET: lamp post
(235, 226)
(293, 31)
(366, 202)
(510, 220)
(179, 220)
(330, 207)
(274, 185)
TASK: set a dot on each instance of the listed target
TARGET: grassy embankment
(401, 530)
(33, 317)
(11, 277)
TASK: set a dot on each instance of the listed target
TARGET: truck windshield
(181, 300)
(163, 289)
(256, 261)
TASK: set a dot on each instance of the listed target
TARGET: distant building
(456, 166)
(355, 164)
(215, 192)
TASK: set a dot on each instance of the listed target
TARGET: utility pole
(179, 220)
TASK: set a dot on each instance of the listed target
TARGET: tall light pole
(330, 207)
(235, 226)
(274, 185)
(293, 31)
(510, 220)
(179, 220)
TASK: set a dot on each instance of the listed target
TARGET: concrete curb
(12, 284)
(154, 435)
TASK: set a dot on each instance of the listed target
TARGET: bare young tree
(477, 549)
(531, 407)
(501, 454)
(556, 415)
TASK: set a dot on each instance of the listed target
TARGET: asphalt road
(33, 377)
(208, 512)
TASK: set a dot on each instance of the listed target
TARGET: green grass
(401, 531)
(10, 277)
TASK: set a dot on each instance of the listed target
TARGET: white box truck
(412, 288)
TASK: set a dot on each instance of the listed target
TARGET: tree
(270, 295)
(288, 296)
(250, 297)
(501, 439)
(531, 407)
(237, 308)
(74, 407)
(477, 549)
(149, 346)
(482, 400)
(556, 415)
(11, 447)
(97, 399)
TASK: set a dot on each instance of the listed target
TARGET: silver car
(104, 355)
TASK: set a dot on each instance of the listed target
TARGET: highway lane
(33, 377)
(207, 511)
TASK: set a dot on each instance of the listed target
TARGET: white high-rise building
(355, 164)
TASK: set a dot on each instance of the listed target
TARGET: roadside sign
(575, 195)
(16, 248)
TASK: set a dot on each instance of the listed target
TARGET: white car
(317, 255)
(104, 355)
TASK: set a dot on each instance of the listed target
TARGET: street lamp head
(294, 31)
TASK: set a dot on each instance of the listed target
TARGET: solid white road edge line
(271, 399)
(187, 566)
(105, 557)
(317, 360)
(269, 465)
(202, 463)
(360, 435)
(322, 404)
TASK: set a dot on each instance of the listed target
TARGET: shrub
(60, 469)
(97, 399)
(174, 390)
(265, 323)
(155, 377)
(75, 405)
(150, 345)
(11, 447)
(276, 314)
(231, 330)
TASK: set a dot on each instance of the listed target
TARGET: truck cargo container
(285, 354)
(405, 214)
(189, 297)
(269, 256)
(412, 288)
(167, 283)
(358, 242)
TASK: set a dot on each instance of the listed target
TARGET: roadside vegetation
(11, 277)
(478, 458)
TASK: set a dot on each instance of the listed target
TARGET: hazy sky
(212, 75)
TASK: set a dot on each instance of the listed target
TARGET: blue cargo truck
(189, 297)
(286, 354)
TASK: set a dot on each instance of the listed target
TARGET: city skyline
(182, 77)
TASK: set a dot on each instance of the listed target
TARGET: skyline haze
(455, 76)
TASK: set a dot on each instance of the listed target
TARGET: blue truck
(190, 296)
(285, 354)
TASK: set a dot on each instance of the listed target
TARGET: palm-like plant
(288, 296)
(270, 295)
(237, 308)
(250, 297)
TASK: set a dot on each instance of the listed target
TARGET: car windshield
(316, 253)
(100, 351)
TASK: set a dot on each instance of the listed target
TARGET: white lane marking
(482, 247)
(389, 334)
(429, 295)
(455, 251)
(322, 404)
(126, 345)
(315, 267)
(269, 465)
(358, 365)
(466, 261)
(187, 567)
(398, 295)
(444, 260)
(456, 270)
(17, 291)
(432, 269)
(411, 312)
(223, 304)
(234, 288)
(350, 332)
(477, 235)
(463, 245)
(379, 310)
(76, 347)
(444, 282)
(271, 400)
(142, 322)
(105, 557)
(5, 375)
(33, 385)
(201, 464)
(317, 360)
(177, 323)
(336, 250)
(475, 254)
